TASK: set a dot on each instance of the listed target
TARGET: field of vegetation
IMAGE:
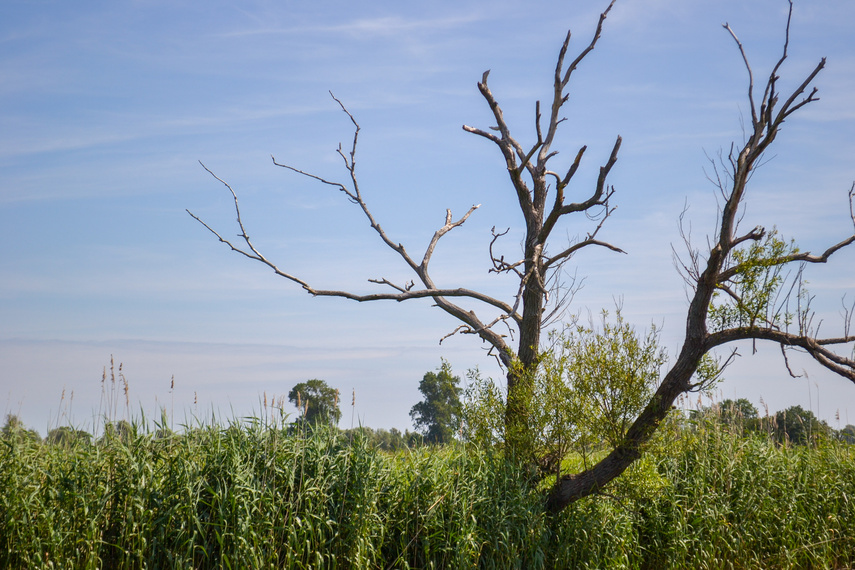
(712, 492)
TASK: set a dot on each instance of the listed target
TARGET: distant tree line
(793, 425)
(438, 419)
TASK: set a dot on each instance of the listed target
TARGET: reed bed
(251, 494)
(744, 501)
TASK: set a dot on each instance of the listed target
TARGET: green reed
(261, 494)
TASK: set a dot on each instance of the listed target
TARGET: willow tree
(736, 285)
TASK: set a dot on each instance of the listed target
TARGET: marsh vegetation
(711, 492)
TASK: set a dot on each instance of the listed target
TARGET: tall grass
(257, 494)
(745, 501)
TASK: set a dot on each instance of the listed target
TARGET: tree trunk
(521, 375)
(571, 488)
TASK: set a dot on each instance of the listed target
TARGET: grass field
(259, 494)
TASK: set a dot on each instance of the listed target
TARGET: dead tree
(538, 295)
(729, 271)
(541, 192)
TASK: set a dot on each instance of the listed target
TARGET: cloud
(367, 27)
(119, 128)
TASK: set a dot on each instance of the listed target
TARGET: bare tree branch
(589, 240)
(805, 257)
(449, 225)
(750, 73)
(562, 78)
(510, 148)
(541, 294)
(712, 276)
(499, 263)
(531, 270)
(403, 293)
(597, 199)
(816, 347)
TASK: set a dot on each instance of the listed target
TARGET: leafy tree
(728, 411)
(15, 428)
(437, 416)
(388, 440)
(798, 426)
(66, 435)
(593, 381)
(741, 409)
(740, 415)
(12, 425)
(739, 285)
(391, 439)
(122, 430)
(316, 401)
(611, 373)
(847, 434)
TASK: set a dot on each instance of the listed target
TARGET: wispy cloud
(367, 27)
(121, 128)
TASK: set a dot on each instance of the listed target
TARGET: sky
(108, 108)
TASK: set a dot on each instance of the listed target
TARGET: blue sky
(107, 107)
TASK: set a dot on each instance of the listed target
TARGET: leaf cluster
(749, 297)
(590, 386)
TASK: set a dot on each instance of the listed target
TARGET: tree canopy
(799, 426)
(437, 416)
(15, 428)
(316, 401)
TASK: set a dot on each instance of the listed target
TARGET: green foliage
(611, 374)
(15, 428)
(316, 401)
(708, 373)
(749, 298)
(747, 502)
(483, 411)
(66, 435)
(438, 415)
(733, 411)
(738, 414)
(792, 426)
(591, 385)
(799, 426)
(391, 440)
(251, 495)
(122, 430)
